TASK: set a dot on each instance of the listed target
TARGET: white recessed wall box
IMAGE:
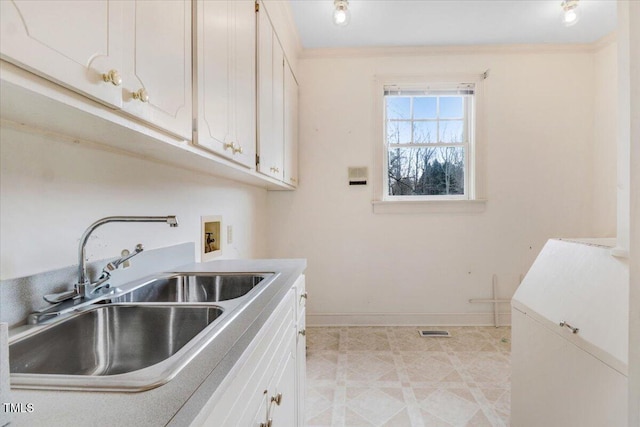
(211, 237)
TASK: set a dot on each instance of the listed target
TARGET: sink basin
(194, 287)
(109, 340)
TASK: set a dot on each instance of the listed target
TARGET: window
(429, 133)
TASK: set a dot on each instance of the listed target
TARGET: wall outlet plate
(211, 237)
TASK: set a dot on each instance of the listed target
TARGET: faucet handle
(62, 296)
(126, 256)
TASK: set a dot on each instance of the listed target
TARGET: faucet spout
(83, 280)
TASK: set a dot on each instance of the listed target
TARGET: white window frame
(472, 200)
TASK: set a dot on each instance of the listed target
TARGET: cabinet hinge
(257, 7)
(257, 160)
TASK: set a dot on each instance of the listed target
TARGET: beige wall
(604, 141)
(423, 268)
(629, 202)
(53, 189)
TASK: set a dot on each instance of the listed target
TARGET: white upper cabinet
(211, 72)
(226, 88)
(77, 44)
(290, 127)
(277, 107)
(130, 55)
(156, 83)
(270, 100)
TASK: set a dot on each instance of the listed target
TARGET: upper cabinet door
(270, 100)
(225, 58)
(78, 44)
(157, 64)
(290, 127)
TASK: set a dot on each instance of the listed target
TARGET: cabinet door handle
(234, 149)
(303, 332)
(141, 95)
(113, 77)
(304, 295)
(277, 399)
(574, 330)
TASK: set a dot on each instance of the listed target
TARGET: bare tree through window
(427, 140)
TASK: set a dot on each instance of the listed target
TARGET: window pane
(452, 131)
(432, 171)
(398, 132)
(425, 132)
(425, 107)
(398, 107)
(451, 107)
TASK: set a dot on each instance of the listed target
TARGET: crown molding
(605, 41)
(372, 52)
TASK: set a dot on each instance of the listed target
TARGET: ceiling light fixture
(570, 12)
(341, 15)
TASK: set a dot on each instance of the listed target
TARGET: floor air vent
(445, 334)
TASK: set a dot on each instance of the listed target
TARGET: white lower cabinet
(301, 347)
(301, 366)
(557, 384)
(263, 388)
(569, 329)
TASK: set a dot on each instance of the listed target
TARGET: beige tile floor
(390, 376)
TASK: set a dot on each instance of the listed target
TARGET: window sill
(431, 206)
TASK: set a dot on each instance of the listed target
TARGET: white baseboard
(407, 319)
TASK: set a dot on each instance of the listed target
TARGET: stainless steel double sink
(135, 339)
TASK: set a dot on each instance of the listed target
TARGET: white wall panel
(52, 189)
(539, 183)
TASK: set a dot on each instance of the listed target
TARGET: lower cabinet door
(244, 398)
(557, 384)
(283, 397)
(301, 367)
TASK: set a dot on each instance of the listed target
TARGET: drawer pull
(574, 330)
(277, 399)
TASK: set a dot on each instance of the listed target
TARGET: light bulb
(341, 14)
(570, 14)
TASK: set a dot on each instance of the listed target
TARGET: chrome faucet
(84, 286)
